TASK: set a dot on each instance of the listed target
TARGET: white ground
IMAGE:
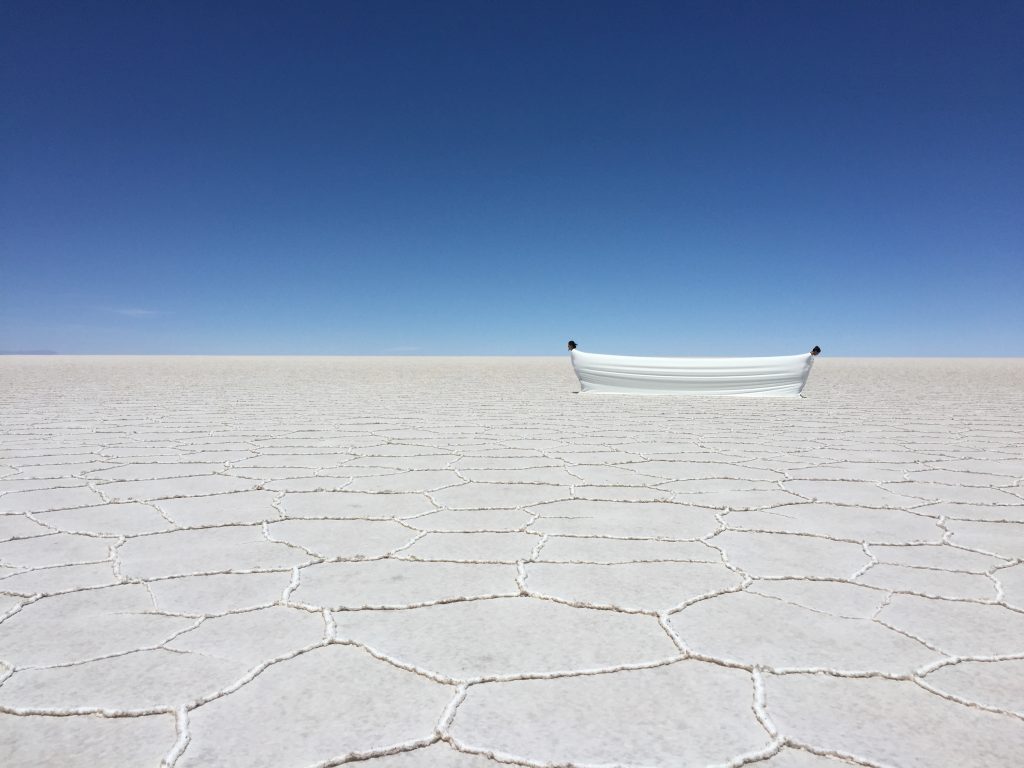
(430, 562)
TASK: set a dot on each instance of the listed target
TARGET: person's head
(816, 351)
(571, 345)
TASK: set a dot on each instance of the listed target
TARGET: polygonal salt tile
(781, 554)
(253, 636)
(952, 477)
(9, 603)
(380, 583)
(797, 758)
(494, 547)
(204, 550)
(940, 492)
(1003, 539)
(650, 447)
(315, 439)
(308, 484)
(15, 526)
(224, 456)
(219, 593)
(931, 556)
(122, 451)
(683, 470)
(322, 705)
(501, 462)
(997, 684)
(873, 525)
(153, 471)
(849, 492)
(867, 455)
(930, 581)
(384, 465)
(265, 475)
(45, 451)
(173, 436)
(567, 549)
(956, 627)
(134, 681)
(624, 519)
(755, 499)
(632, 586)
(789, 636)
(355, 505)
(545, 475)
(1012, 581)
(850, 471)
(743, 448)
(529, 447)
(401, 482)
(596, 457)
(148, 490)
(439, 755)
(83, 625)
(1011, 513)
(48, 499)
(217, 445)
(856, 717)
(498, 495)
(620, 475)
(85, 741)
(1012, 468)
(719, 485)
(838, 598)
(694, 714)
(465, 520)
(55, 471)
(244, 507)
(397, 449)
(54, 549)
(15, 483)
(507, 636)
(58, 579)
(343, 538)
(306, 460)
(619, 493)
(107, 519)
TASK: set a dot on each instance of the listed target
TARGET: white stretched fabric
(745, 376)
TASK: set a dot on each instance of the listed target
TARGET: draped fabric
(746, 376)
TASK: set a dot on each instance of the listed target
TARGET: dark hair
(572, 344)
(816, 351)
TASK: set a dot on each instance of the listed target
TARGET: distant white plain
(275, 562)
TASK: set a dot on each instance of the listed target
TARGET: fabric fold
(783, 376)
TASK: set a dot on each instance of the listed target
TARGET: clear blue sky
(497, 177)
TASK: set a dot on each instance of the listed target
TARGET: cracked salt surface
(459, 562)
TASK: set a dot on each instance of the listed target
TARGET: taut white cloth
(747, 376)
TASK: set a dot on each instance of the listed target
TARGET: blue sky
(464, 178)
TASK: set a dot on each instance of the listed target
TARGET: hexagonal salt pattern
(461, 562)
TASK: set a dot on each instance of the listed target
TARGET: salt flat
(451, 562)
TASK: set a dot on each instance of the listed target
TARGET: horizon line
(474, 355)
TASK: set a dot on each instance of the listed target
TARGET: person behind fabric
(571, 345)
